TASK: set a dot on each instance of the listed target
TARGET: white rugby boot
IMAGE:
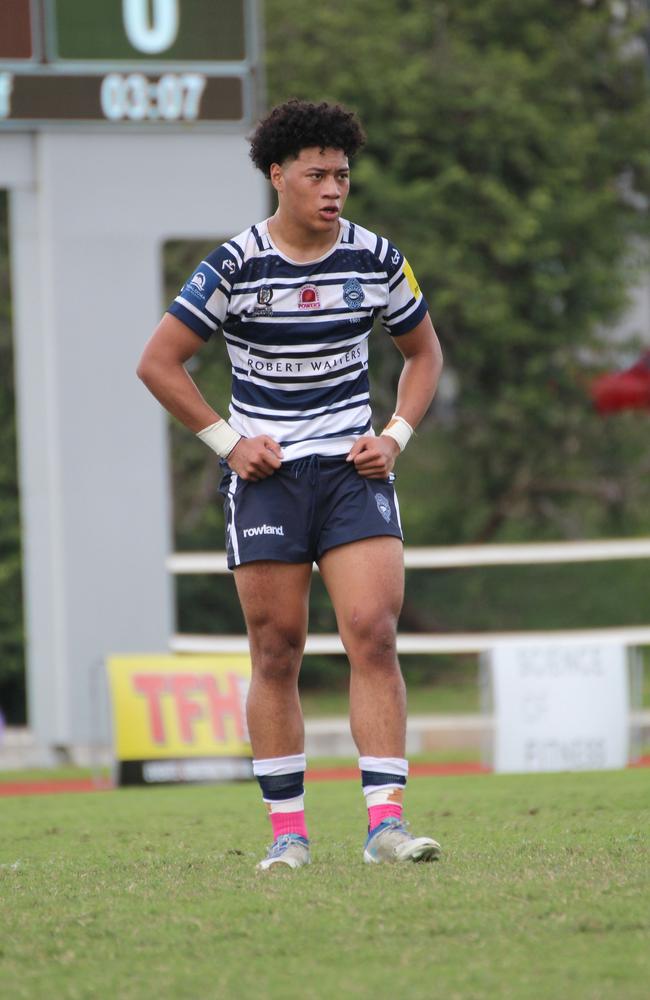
(391, 842)
(290, 849)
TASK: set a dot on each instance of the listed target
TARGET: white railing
(444, 557)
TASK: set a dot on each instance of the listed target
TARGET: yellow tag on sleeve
(410, 277)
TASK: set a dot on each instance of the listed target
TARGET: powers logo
(308, 297)
(264, 529)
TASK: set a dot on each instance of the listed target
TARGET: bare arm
(162, 369)
(374, 457)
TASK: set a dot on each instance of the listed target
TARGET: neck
(299, 243)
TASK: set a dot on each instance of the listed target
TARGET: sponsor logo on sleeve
(353, 293)
(229, 265)
(308, 297)
(200, 286)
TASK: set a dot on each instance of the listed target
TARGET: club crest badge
(353, 293)
(264, 296)
(308, 297)
(383, 506)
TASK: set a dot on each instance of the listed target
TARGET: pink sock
(293, 822)
(377, 814)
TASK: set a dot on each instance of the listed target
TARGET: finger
(357, 448)
(368, 457)
(372, 473)
(372, 467)
(273, 446)
(266, 465)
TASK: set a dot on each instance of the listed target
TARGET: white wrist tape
(220, 437)
(399, 430)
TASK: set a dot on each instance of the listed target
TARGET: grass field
(543, 892)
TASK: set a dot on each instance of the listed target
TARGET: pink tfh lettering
(195, 698)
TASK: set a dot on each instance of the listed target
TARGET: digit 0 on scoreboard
(129, 31)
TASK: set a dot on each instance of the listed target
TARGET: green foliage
(504, 144)
(541, 891)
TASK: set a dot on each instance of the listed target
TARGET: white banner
(559, 707)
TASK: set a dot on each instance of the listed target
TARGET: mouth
(329, 212)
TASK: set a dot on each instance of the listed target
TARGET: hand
(255, 458)
(374, 457)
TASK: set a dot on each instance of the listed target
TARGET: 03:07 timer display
(135, 97)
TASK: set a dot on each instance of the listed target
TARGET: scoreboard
(127, 63)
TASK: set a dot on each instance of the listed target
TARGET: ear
(277, 177)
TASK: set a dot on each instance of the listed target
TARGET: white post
(89, 212)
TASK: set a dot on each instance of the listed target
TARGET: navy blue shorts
(305, 508)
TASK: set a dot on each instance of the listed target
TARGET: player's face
(313, 187)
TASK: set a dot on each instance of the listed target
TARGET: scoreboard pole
(91, 204)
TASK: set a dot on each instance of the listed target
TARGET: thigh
(274, 597)
(365, 581)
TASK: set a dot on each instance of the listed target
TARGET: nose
(331, 189)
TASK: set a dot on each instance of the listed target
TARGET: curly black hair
(297, 125)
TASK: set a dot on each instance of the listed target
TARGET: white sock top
(279, 765)
(385, 765)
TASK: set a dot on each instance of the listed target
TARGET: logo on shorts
(353, 293)
(383, 506)
(308, 297)
(264, 529)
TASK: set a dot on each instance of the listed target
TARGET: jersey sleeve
(406, 305)
(202, 303)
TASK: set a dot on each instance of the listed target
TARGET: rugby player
(305, 478)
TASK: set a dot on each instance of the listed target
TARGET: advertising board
(179, 718)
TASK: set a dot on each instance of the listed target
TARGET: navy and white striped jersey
(297, 334)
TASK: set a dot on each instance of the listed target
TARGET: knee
(276, 651)
(371, 639)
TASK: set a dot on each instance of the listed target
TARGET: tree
(508, 157)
